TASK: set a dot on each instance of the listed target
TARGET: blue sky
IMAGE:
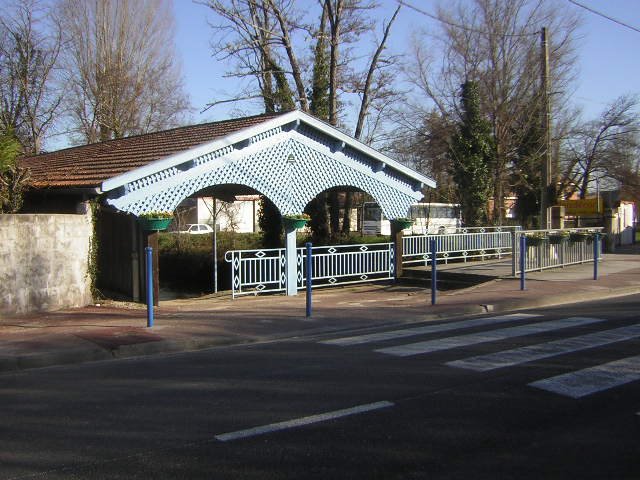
(608, 53)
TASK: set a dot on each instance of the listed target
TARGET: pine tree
(317, 208)
(320, 83)
(278, 98)
(472, 152)
(526, 179)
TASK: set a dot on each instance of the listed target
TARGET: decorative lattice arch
(288, 160)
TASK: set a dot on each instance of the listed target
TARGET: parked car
(197, 229)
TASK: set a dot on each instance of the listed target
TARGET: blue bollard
(523, 260)
(309, 268)
(434, 270)
(149, 262)
(596, 255)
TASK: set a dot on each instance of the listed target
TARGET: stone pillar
(610, 229)
(291, 259)
(556, 214)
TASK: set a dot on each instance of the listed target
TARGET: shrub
(186, 261)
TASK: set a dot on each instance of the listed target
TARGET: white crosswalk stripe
(516, 356)
(483, 337)
(592, 380)
(575, 384)
(443, 327)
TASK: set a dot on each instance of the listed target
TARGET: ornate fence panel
(464, 246)
(554, 248)
(255, 271)
(345, 264)
(490, 229)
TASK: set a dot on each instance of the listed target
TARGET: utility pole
(546, 128)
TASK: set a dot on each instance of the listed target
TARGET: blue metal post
(309, 269)
(523, 260)
(434, 270)
(149, 262)
(596, 254)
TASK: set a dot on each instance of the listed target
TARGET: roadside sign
(587, 206)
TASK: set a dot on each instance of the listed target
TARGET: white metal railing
(490, 229)
(345, 264)
(483, 245)
(555, 248)
(256, 271)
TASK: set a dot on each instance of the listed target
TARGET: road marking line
(410, 332)
(508, 358)
(483, 337)
(592, 380)
(300, 422)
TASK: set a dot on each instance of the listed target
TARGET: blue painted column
(309, 270)
(292, 260)
(523, 261)
(596, 255)
(149, 278)
(433, 248)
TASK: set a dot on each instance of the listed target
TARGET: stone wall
(43, 262)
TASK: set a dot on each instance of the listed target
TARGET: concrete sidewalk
(118, 330)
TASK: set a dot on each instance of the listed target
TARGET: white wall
(44, 262)
(241, 214)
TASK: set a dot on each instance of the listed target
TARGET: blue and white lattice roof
(289, 158)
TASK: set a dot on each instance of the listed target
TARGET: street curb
(41, 360)
(92, 354)
(560, 299)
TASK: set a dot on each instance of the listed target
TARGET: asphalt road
(551, 393)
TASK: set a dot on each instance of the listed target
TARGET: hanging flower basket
(557, 238)
(578, 237)
(155, 221)
(295, 221)
(403, 223)
(534, 240)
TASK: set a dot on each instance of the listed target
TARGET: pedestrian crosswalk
(442, 327)
(516, 356)
(574, 384)
(591, 380)
(490, 336)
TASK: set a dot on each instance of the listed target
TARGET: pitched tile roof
(90, 165)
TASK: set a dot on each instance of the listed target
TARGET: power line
(605, 16)
(464, 27)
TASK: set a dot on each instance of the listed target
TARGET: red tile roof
(90, 165)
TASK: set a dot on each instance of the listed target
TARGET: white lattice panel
(289, 167)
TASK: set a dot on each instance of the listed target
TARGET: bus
(428, 218)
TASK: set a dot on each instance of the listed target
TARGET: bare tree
(121, 67)
(30, 96)
(604, 149)
(374, 89)
(496, 44)
(260, 36)
(257, 36)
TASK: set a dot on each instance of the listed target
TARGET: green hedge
(186, 261)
